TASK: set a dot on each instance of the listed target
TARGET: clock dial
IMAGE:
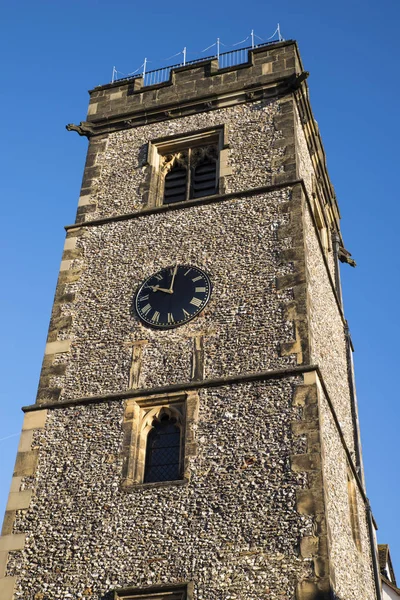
(173, 296)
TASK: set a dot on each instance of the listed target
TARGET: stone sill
(140, 486)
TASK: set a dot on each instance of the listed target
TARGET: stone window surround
(169, 145)
(138, 416)
(165, 592)
(322, 219)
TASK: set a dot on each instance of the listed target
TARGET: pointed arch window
(163, 450)
(191, 173)
(204, 170)
(159, 439)
(176, 177)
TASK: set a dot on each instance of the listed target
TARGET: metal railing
(225, 60)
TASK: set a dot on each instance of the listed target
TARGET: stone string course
(245, 309)
(235, 525)
(121, 183)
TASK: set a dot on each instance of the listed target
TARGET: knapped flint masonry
(195, 433)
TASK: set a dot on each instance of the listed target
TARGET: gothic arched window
(159, 439)
(175, 184)
(163, 450)
(205, 178)
(190, 173)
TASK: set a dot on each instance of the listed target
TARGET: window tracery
(188, 166)
(191, 173)
(159, 434)
(164, 447)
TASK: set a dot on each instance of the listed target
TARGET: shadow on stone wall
(108, 596)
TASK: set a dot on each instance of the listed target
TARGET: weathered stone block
(25, 463)
(19, 500)
(58, 347)
(7, 588)
(34, 420)
(12, 542)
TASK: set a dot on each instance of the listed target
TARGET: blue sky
(52, 52)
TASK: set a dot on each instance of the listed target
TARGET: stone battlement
(188, 84)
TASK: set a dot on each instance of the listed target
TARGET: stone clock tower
(195, 432)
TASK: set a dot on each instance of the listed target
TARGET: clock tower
(195, 433)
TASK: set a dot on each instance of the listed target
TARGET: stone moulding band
(211, 200)
(176, 387)
(210, 383)
(187, 204)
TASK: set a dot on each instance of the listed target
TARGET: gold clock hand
(157, 288)
(171, 287)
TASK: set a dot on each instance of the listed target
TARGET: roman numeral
(196, 301)
(171, 318)
(158, 277)
(155, 318)
(185, 314)
(146, 297)
(146, 309)
(197, 278)
(187, 271)
(200, 289)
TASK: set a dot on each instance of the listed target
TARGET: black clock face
(173, 296)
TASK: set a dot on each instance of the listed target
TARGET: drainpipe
(353, 401)
(335, 248)
(377, 574)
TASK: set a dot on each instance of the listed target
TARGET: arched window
(205, 178)
(191, 172)
(163, 450)
(175, 184)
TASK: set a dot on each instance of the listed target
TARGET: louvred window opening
(175, 185)
(190, 174)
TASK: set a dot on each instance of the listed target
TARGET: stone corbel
(345, 256)
(295, 80)
(83, 129)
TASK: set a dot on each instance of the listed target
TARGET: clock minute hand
(171, 287)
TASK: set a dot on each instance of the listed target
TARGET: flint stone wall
(234, 526)
(327, 338)
(235, 241)
(353, 577)
(121, 172)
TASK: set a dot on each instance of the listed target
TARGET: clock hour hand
(157, 288)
